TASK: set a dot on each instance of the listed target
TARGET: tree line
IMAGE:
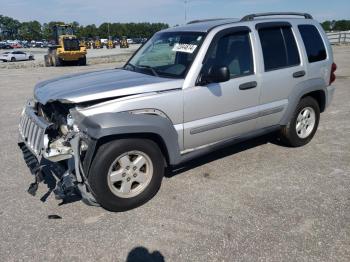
(340, 25)
(33, 30)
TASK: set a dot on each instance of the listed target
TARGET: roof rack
(206, 20)
(252, 16)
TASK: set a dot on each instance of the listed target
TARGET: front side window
(313, 43)
(234, 51)
(167, 54)
(279, 48)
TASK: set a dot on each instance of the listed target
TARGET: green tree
(33, 30)
(30, 30)
(326, 25)
(8, 27)
(342, 25)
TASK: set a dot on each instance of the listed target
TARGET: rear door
(218, 111)
(282, 69)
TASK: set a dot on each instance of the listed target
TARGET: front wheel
(303, 124)
(126, 173)
(82, 61)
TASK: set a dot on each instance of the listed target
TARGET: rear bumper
(330, 93)
(71, 55)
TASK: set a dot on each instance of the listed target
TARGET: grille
(32, 130)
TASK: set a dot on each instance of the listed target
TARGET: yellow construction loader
(97, 43)
(66, 48)
(124, 42)
(110, 43)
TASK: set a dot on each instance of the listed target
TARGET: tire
(47, 60)
(31, 58)
(117, 154)
(306, 117)
(13, 59)
(56, 61)
(82, 61)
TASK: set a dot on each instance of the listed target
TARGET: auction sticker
(185, 48)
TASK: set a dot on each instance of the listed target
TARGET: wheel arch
(105, 127)
(319, 96)
(156, 138)
(312, 87)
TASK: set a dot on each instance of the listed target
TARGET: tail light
(333, 69)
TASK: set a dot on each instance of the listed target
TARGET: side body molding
(109, 124)
(303, 88)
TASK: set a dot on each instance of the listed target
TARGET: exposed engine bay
(49, 137)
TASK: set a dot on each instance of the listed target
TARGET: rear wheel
(126, 173)
(304, 123)
(56, 61)
(31, 57)
(13, 59)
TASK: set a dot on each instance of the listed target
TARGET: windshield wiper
(131, 65)
(154, 72)
(134, 67)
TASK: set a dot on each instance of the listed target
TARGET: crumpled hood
(103, 84)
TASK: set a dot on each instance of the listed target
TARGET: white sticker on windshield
(185, 48)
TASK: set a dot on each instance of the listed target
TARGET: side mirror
(218, 74)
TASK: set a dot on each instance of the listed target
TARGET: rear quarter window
(279, 48)
(313, 43)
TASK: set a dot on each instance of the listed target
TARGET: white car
(13, 56)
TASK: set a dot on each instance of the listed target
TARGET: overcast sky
(169, 11)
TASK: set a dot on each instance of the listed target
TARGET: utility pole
(185, 2)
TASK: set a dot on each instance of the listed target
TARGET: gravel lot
(257, 201)
(94, 56)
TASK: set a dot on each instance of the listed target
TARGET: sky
(168, 11)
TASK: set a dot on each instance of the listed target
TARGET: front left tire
(126, 173)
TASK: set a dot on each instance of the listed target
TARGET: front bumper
(32, 130)
(34, 143)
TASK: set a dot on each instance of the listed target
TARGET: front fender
(124, 123)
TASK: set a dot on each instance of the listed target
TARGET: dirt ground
(94, 56)
(256, 201)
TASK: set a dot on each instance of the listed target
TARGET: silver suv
(186, 92)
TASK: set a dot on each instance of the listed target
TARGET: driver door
(219, 111)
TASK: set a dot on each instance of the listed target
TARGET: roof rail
(205, 20)
(252, 16)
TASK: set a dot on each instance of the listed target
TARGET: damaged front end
(49, 137)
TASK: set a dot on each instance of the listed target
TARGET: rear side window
(314, 46)
(279, 48)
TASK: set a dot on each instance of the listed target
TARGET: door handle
(248, 85)
(299, 74)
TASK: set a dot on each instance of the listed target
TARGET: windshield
(167, 54)
(71, 44)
